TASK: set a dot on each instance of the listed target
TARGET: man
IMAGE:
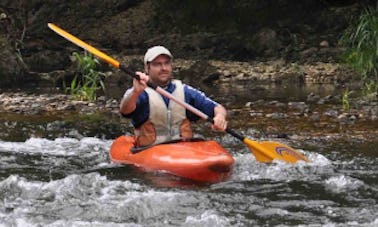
(157, 119)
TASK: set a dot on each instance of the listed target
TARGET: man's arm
(128, 102)
(211, 108)
(220, 114)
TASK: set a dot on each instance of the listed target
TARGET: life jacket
(165, 122)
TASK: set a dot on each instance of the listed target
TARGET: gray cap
(155, 51)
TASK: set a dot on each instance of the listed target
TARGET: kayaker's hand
(141, 84)
(220, 123)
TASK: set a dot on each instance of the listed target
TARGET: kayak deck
(204, 161)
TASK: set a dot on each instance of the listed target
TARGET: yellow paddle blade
(267, 151)
(84, 45)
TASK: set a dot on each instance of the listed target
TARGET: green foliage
(370, 90)
(345, 99)
(361, 41)
(85, 85)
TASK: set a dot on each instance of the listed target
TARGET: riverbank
(316, 118)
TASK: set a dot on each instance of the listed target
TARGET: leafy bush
(85, 85)
(361, 41)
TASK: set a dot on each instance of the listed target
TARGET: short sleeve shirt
(193, 97)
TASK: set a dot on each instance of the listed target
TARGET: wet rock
(276, 115)
(312, 97)
(331, 113)
(324, 100)
(301, 106)
(347, 118)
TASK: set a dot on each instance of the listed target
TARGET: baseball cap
(155, 51)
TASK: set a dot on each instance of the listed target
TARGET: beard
(162, 79)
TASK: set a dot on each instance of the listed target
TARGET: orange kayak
(204, 161)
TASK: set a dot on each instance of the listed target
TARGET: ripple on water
(83, 197)
(93, 199)
(342, 183)
(59, 146)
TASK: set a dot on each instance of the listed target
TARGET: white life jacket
(165, 122)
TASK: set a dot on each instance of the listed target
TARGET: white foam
(59, 146)
(247, 168)
(207, 218)
(342, 184)
(85, 197)
(63, 223)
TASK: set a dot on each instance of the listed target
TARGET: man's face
(160, 70)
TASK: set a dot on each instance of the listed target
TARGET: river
(66, 179)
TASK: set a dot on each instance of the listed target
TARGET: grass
(361, 42)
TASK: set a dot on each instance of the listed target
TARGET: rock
(326, 99)
(256, 114)
(267, 42)
(324, 44)
(276, 115)
(347, 118)
(331, 113)
(312, 97)
(3, 16)
(301, 106)
(194, 73)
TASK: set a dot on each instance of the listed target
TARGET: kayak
(204, 160)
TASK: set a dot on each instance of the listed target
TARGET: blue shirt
(193, 97)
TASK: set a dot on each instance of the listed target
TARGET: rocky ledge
(32, 104)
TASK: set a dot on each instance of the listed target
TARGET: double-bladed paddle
(264, 151)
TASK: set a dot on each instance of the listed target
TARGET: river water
(68, 180)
